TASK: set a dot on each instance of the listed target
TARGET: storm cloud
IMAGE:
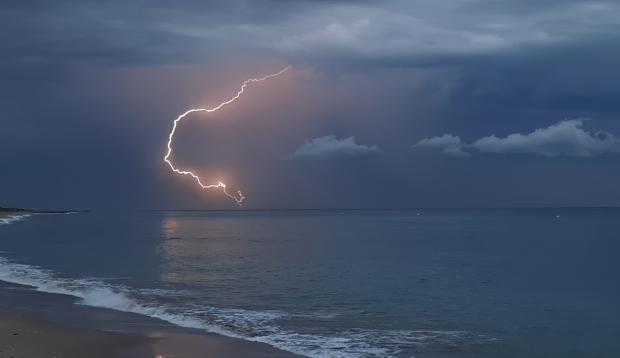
(89, 89)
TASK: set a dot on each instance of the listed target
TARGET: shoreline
(7, 217)
(20, 211)
(38, 324)
(28, 336)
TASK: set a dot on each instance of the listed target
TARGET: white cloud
(447, 144)
(330, 146)
(566, 138)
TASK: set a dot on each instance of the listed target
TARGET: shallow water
(425, 283)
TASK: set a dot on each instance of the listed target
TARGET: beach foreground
(37, 325)
(24, 336)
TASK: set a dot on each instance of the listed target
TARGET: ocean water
(411, 283)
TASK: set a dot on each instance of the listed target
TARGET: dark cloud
(88, 89)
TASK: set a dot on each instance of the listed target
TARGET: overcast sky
(390, 104)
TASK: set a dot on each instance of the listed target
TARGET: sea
(343, 283)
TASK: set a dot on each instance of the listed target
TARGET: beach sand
(35, 325)
(22, 336)
(4, 214)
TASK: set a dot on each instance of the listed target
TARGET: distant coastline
(38, 211)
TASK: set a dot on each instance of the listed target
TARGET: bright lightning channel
(238, 197)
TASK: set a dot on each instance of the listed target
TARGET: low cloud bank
(330, 146)
(566, 138)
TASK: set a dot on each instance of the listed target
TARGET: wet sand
(5, 214)
(28, 337)
(36, 325)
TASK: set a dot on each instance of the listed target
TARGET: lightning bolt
(238, 197)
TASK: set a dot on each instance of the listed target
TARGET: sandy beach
(25, 336)
(41, 325)
(29, 337)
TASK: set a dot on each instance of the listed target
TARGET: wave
(92, 292)
(258, 326)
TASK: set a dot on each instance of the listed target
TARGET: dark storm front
(428, 283)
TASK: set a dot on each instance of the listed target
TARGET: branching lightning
(238, 197)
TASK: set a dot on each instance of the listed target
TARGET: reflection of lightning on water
(238, 197)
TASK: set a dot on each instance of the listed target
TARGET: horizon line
(392, 209)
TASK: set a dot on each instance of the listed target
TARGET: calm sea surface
(423, 283)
